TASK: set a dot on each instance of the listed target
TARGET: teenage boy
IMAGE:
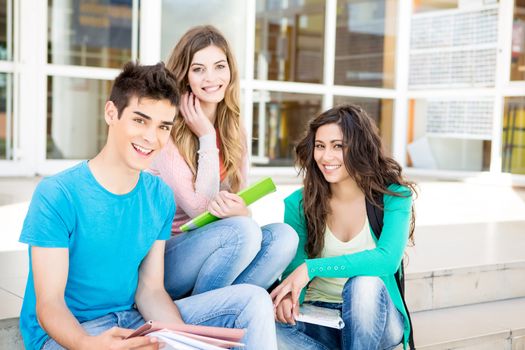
(96, 235)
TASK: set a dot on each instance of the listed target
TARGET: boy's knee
(255, 298)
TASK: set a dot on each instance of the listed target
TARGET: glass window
(6, 116)
(365, 43)
(433, 5)
(289, 40)
(279, 121)
(517, 68)
(513, 137)
(90, 33)
(76, 128)
(229, 16)
(450, 134)
(454, 48)
(6, 29)
(380, 110)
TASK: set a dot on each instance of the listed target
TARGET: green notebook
(250, 194)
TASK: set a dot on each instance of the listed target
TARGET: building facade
(443, 79)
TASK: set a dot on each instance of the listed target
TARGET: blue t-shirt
(107, 235)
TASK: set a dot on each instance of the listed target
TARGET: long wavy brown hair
(365, 160)
(228, 121)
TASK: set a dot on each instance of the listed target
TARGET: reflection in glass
(365, 43)
(90, 33)
(6, 29)
(513, 136)
(289, 40)
(6, 116)
(380, 110)
(420, 6)
(75, 119)
(517, 67)
(279, 121)
(450, 134)
(186, 14)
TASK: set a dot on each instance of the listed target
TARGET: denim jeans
(229, 251)
(240, 306)
(371, 321)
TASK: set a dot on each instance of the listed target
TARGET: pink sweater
(191, 198)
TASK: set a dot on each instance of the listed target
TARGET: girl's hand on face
(226, 204)
(190, 108)
(292, 285)
(285, 311)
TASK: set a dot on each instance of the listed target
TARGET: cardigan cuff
(324, 267)
(208, 142)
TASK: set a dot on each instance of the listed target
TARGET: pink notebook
(218, 336)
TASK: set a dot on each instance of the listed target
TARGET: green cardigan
(382, 261)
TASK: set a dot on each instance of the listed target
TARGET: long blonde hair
(228, 121)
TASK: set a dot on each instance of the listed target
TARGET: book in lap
(321, 316)
(190, 337)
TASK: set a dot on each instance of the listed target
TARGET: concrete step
(461, 264)
(463, 286)
(493, 325)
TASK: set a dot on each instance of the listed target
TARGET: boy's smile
(142, 150)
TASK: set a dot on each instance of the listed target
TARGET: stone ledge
(10, 335)
(465, 285)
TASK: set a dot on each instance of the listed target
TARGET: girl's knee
(245, 231)
(242, 237)
(363, 294)
(363, 287)
(363, 299)
(283, 236)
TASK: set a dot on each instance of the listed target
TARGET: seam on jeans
(127, 318)
(210, 316)
(231, 257)
(275, 231)
(258, 260)
(296, 332)
(383, 311)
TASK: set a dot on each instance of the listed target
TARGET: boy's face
(142, 130)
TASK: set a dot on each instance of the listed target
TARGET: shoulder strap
(375, 215)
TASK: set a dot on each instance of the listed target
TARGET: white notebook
(319, 315)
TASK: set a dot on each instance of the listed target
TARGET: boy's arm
(152, 300)
(50, 271)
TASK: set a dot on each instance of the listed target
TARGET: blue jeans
(242, 306)
(371, 321)
(229, 251)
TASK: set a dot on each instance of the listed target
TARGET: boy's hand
(114, 339)
(226, 204)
